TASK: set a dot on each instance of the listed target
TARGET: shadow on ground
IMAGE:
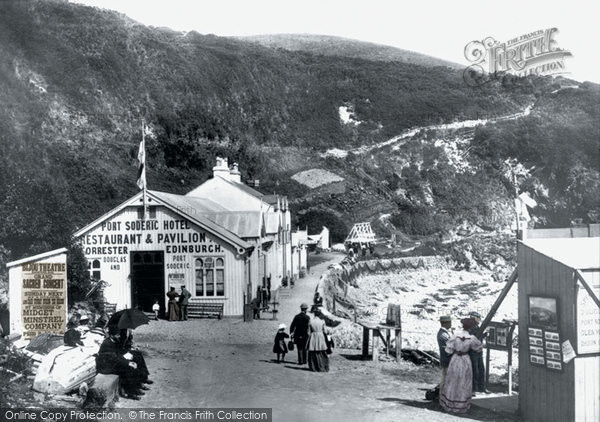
(480, 412)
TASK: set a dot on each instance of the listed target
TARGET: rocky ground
(424, 295)
(220, 363)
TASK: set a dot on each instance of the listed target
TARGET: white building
(222, 241)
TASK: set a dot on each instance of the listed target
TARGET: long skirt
(173, 311)
(318, 361)
(456, 396)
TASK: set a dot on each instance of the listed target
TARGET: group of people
(117, 354)
(178, 305)
(310, 336)
(461, 360)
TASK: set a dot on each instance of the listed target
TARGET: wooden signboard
(588, 322)
(44, 298)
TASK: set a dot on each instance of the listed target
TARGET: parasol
(128, 318)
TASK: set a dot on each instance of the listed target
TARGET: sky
(438, 28)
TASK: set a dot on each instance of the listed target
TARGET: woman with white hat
(280, 346)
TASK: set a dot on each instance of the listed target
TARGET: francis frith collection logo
(535, 53)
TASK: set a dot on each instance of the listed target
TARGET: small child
(156, 308)
(280, 346)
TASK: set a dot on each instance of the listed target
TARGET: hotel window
(94, 269)
(210, 277)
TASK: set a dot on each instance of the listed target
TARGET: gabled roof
(191, 208)
(197, 203)
(244, 187)
(244, 224)
(241, 186)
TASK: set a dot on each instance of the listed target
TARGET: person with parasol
(117, 355)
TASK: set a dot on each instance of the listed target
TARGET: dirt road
(229, 363)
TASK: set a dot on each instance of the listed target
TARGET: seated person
(112, 359)
(317, 302)
(137, 356)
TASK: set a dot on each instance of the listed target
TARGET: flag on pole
(141, 181)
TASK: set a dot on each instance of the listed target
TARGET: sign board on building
(588, 322)
(44, 298)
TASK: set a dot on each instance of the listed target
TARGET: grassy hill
(75, 83)
(327, 45)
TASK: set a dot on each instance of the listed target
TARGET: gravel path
(229, 363)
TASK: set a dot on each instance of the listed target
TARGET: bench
(201, 309)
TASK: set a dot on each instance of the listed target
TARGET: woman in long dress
(173, 306)
(456, 397)
(318, 361)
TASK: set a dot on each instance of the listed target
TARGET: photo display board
(545, 348)
(499, 335)
(543, 336)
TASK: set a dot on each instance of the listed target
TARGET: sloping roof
(244, 187)
(194, 210)
(192, 202)
(576, 252)
(37, 257)
(243, 224)
(271, 223)
(241, 186)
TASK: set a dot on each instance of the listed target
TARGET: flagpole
(144, 143)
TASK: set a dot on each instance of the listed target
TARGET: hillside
(344, 47)
(75, 83)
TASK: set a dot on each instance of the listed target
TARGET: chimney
(221, 169)
(235, 175)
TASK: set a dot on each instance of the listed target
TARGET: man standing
(477, 357)
(442, 338)
(299, 333)
(184, 299)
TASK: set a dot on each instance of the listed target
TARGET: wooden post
(375, 344)
(388, 341)
(497, 303)
(487, 367)
(365, 344)
(510, 367)
(398, 344)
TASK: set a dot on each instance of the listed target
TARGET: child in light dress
(156, 308)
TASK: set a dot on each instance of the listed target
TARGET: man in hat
(477, 357)
(184, 299)
(299, 333)
(442, 338)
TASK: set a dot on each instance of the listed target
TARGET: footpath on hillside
(229, 363)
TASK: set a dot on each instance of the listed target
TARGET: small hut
(559, 329)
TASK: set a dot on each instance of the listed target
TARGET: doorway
(148, 280)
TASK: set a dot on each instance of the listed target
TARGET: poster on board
(44, 298)
(588, 322)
